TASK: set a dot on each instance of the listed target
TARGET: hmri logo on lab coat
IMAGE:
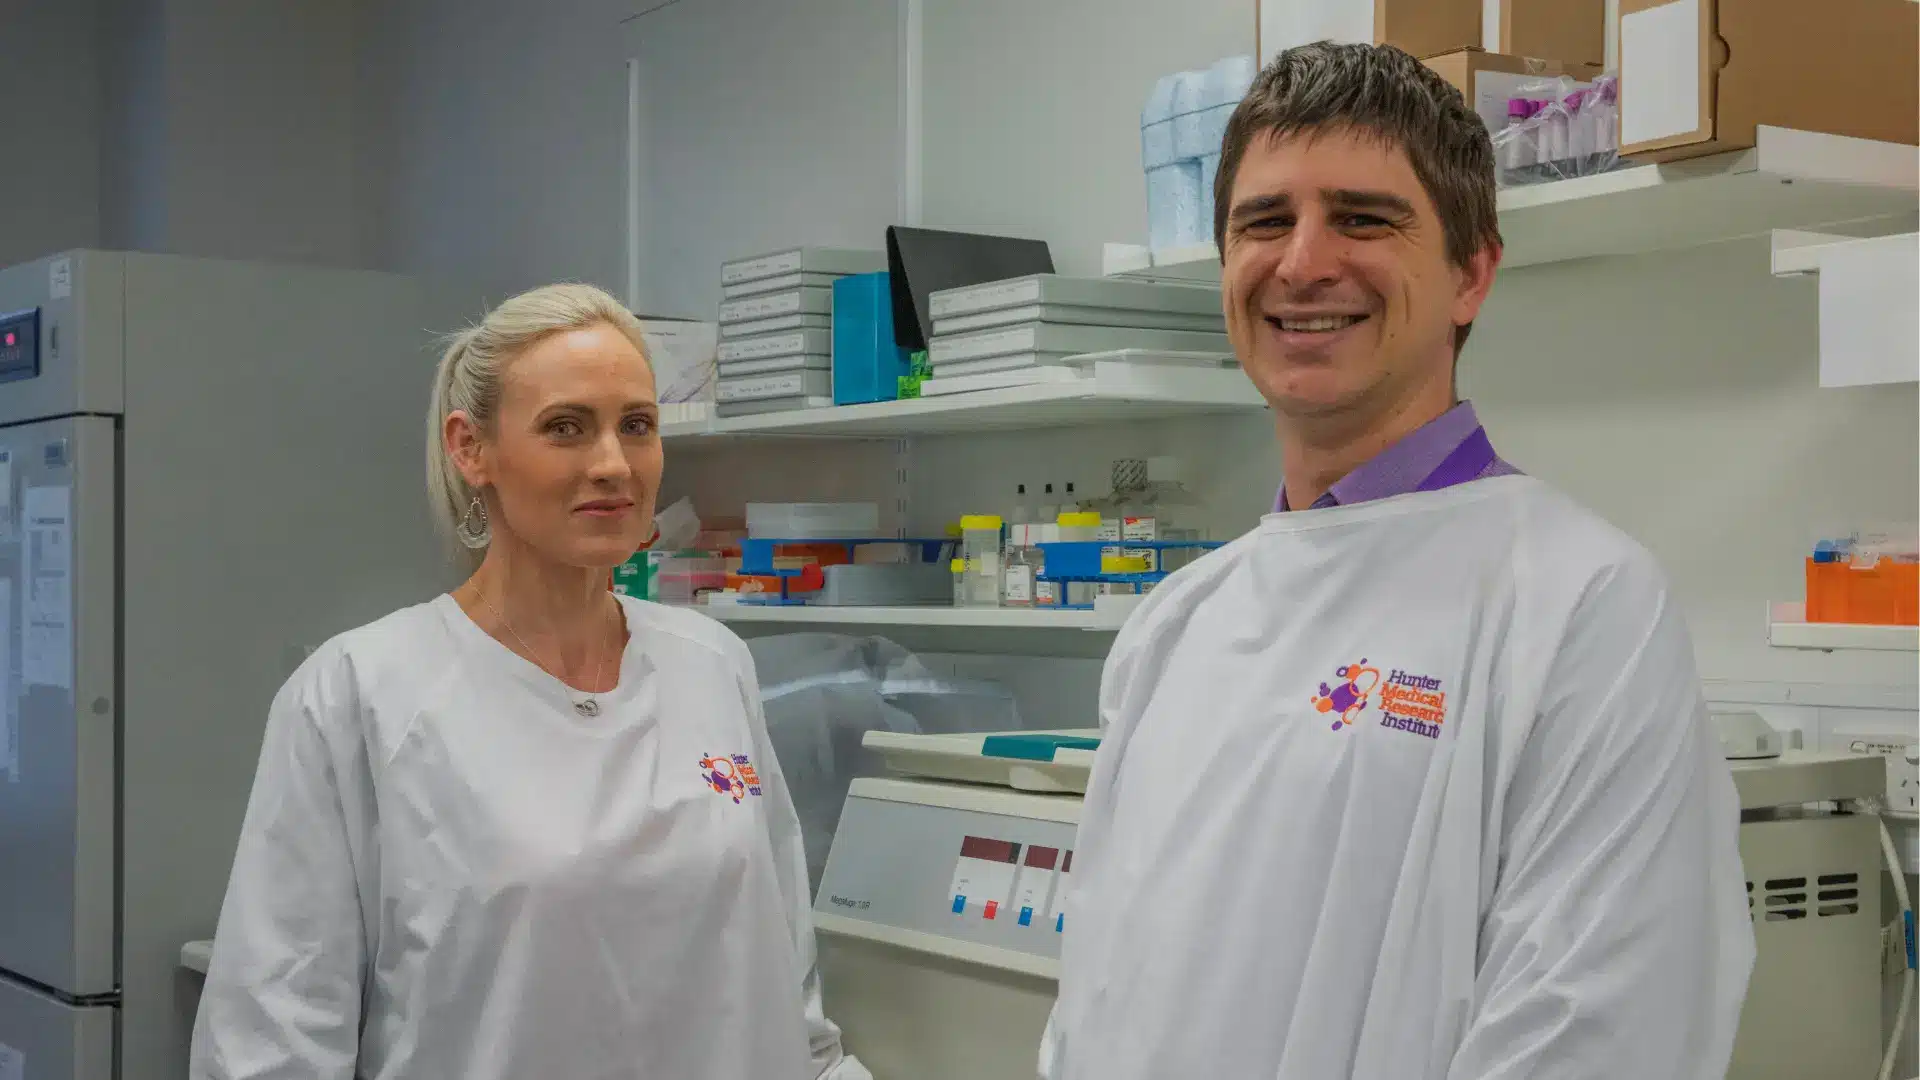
(730, 774)
(1407, 702)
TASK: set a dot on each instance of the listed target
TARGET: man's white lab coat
(1416, 789)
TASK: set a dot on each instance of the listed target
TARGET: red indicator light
(12, 339)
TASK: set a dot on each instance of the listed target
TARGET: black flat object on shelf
(925, 261)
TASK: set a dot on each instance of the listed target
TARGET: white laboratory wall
(50, 85)
(1031, 112)
(722, 482)
(764, 125)
(1678, 396)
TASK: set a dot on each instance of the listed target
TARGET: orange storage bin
(1886, 593)
(1826, 591)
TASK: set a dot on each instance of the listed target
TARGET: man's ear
(1472, 283)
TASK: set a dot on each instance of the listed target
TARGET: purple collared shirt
(1410, 464)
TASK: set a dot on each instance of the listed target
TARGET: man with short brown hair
(1413, 782)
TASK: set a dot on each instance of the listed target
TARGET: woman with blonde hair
(529, 829)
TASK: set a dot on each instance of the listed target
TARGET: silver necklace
(586, 706)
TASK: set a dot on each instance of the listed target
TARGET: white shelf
(1868, 336)
(932, 617)
(1197, 264)
(1788, 629)
(1789, 179)
(1799, 253)
(1111, 392)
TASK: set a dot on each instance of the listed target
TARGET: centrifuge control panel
(992, 879)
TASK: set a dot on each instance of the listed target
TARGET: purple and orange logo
(1413, 703)
(1348, 698)
(734, 776)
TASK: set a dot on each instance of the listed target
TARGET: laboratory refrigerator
(206, 469)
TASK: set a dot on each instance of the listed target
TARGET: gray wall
(131, 52)
(497, 132)
(50, 91)
(486, 139)
(222, 128)
(260, 148)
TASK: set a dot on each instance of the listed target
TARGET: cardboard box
(1571, 30)
(1567, 29)
(1489, 79)
(1700, 76)
(1421, 27)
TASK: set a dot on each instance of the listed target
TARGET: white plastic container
(1516, 152)
(980, 550)
(1078, 527)
(1022, 567)
(686, 579)
(813, 521)
(1559, 132)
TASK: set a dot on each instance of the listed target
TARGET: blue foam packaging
(1181, 128)
(1174, 206)
(1156, 125)
(867, 363)
(1190, 101)
(1209, 171)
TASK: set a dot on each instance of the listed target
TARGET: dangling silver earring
(474, 530)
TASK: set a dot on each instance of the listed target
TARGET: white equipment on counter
(940, 912)
(1813, 846)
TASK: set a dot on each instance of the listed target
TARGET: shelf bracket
(902, 486)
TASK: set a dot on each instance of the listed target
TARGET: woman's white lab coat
(446, 871)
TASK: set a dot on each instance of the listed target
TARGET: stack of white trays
(1042, 319)
(776, 327)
